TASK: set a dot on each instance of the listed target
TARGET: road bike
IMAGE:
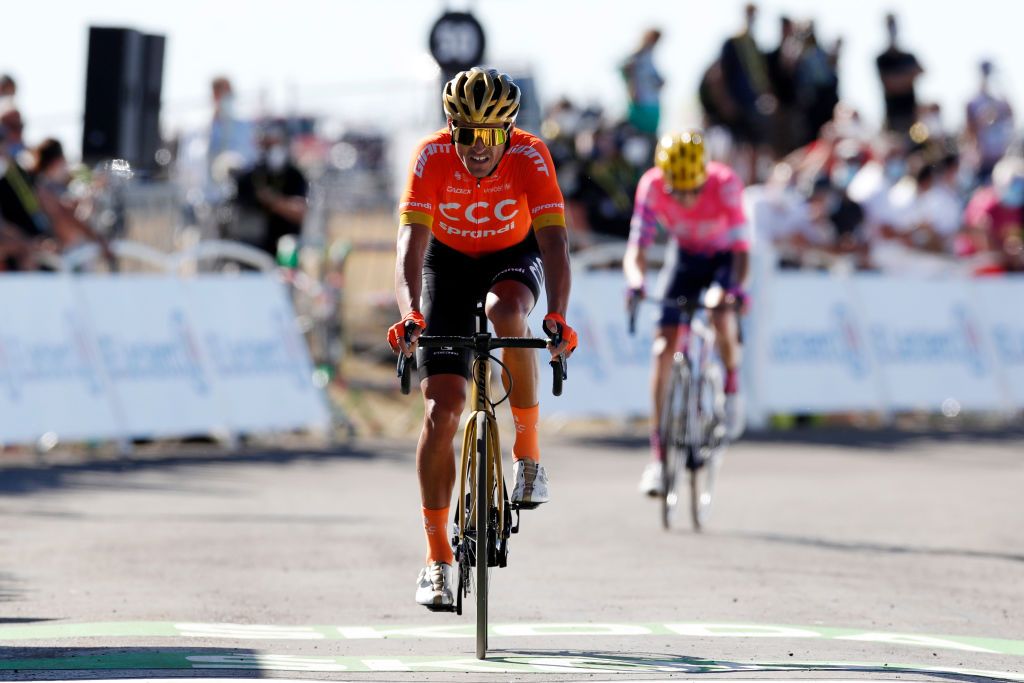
(483, 522)
(692, 419)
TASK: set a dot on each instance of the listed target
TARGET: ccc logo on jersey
(480, 212)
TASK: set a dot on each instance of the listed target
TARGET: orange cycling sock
(435, 524)
(527, 445)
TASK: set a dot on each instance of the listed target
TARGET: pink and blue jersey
(716, 223)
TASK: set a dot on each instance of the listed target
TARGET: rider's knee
(662, 348)
(508, 315)
(442, 415)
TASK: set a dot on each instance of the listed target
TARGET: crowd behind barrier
(88, 357)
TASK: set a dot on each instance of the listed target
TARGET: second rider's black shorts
(688, 274)
(452, 285)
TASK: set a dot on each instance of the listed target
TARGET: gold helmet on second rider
(680, 156)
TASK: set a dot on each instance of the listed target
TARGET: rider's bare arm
(554, 251)
(412, 245)
(634, 265)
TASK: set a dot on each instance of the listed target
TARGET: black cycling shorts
(688, 274)
(453, 283)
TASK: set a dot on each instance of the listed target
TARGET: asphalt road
(828, 556)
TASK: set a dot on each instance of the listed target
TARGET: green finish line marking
(505, 664)
(251, 632)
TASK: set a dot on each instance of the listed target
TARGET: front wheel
(484, 501)
(706, 458)
(673, 439)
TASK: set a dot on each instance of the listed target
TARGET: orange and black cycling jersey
(485, 215)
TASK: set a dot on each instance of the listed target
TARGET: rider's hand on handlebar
(634, 295)
(560, 332)
(402, 335)
(739, 297)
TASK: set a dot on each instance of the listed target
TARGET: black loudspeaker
(152, 84)
(123, 81)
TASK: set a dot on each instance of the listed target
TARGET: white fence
(94, 357)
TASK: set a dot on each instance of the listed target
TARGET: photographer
(275, 190)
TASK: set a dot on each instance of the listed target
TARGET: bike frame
(480, 400)
(695, 346)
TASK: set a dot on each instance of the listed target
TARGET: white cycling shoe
(434, 587)
(735, 416)
(652, 482)
(531, 488)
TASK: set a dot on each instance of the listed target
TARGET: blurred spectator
(920, 224)
(720, 111)
(8, 89)
(816, 81)
(782, 65)
(989, 125)
(19, 204)
(643, 85)
(559, 128)
(749, 86)
(51, 177)
(994, 216)
(870, 186)
(839, 135)
(898, 71)
(274, 190)
(10, 119)
(782, 217)
(604, 189)
(17, 246)
(228, 133)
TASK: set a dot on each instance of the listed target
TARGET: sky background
(365, 62)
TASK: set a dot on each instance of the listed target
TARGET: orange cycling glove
(398, 329)
(568, 334)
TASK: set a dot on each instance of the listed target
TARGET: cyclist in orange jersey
(481, 217)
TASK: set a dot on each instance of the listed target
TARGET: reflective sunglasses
(490, 136)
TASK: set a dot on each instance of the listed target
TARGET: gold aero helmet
(680, 156)
(481, 96)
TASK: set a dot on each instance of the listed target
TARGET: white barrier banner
(609, 374)
(929, 343)
(1000, 303)
(51, 379)
(259, 361)
(811, 352)
(149, 347)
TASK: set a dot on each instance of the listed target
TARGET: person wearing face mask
(273, 192)
(994, 217)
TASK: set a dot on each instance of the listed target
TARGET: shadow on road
(28, 479)
(36, 663)
(9, 590)
(865, 439)
(862, 546)
(85, 663)
(577, 662)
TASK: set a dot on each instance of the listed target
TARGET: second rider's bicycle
(483, 514)
(692, 420)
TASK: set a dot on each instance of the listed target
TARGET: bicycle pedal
(515, 527)
(525, 506)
